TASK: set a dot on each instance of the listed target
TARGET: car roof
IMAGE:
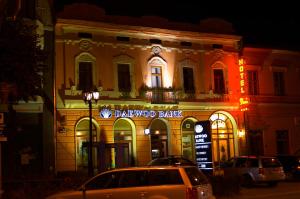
(150, 167)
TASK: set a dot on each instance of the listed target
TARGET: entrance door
(159, 139)
(123, 150)
(82, 141)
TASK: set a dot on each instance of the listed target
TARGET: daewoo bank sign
(131, 113)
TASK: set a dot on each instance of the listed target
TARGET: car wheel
(247, 181)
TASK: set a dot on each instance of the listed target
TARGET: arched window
(82, 140)
(159, 139)
(222, 137)
(123, 144)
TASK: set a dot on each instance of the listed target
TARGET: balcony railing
(160, 95)
(274, 99)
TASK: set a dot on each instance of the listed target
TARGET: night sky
(263, 24)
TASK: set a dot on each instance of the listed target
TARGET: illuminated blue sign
(203, 148)
(107, 113)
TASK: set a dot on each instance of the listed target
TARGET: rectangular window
(85, 76)
(188, 80)
(156, 77)
(282, 141)
(252, 82)
(219, 81)
(278, 78)
(124, 83)
(164, 177)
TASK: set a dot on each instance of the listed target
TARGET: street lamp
(88, 98)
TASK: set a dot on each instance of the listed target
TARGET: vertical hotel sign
(203, 148)
(244, 101)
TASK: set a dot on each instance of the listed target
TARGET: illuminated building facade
(156, 80)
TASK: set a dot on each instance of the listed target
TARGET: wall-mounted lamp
(241, 133)
(147, 131)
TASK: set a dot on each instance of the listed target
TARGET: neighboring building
(30, 140)
(272, 79)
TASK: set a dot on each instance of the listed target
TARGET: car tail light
(191, 193)
(298, 167)
(261, 171)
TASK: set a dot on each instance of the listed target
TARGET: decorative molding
(156, 50)
(85, 45)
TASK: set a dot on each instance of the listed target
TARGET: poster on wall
(203, 148)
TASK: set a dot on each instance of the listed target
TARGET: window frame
(253, 84)
(85, 57)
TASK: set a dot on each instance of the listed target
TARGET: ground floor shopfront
(132, 137)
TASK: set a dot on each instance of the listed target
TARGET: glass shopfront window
(188, 140)
(222, 137)
(159, 139)
(82, 140)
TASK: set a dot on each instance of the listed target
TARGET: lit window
(156, 77)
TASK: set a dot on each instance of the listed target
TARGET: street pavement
(284, 190)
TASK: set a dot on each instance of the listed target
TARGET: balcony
(160, 95)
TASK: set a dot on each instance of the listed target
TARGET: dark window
(219, 81)
(185, 43)
(282, 139)
(132, 178)
(85, 35)
(240, 162)
(119, 38)
(278, 83)
(28, 9)
(155, 41)
(124, 83)
(252, 82)
(105, 181)
(252, 162)
(217, 46)
(196, 176)
(255, 141)
(85, 76)
(188, 80)
(164, 177)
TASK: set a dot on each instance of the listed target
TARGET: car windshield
(196, 176)
(270, 162)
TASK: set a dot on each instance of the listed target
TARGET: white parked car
(155, 182)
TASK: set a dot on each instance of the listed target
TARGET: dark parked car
(291, 166)
(171, 160)
(255, 169)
